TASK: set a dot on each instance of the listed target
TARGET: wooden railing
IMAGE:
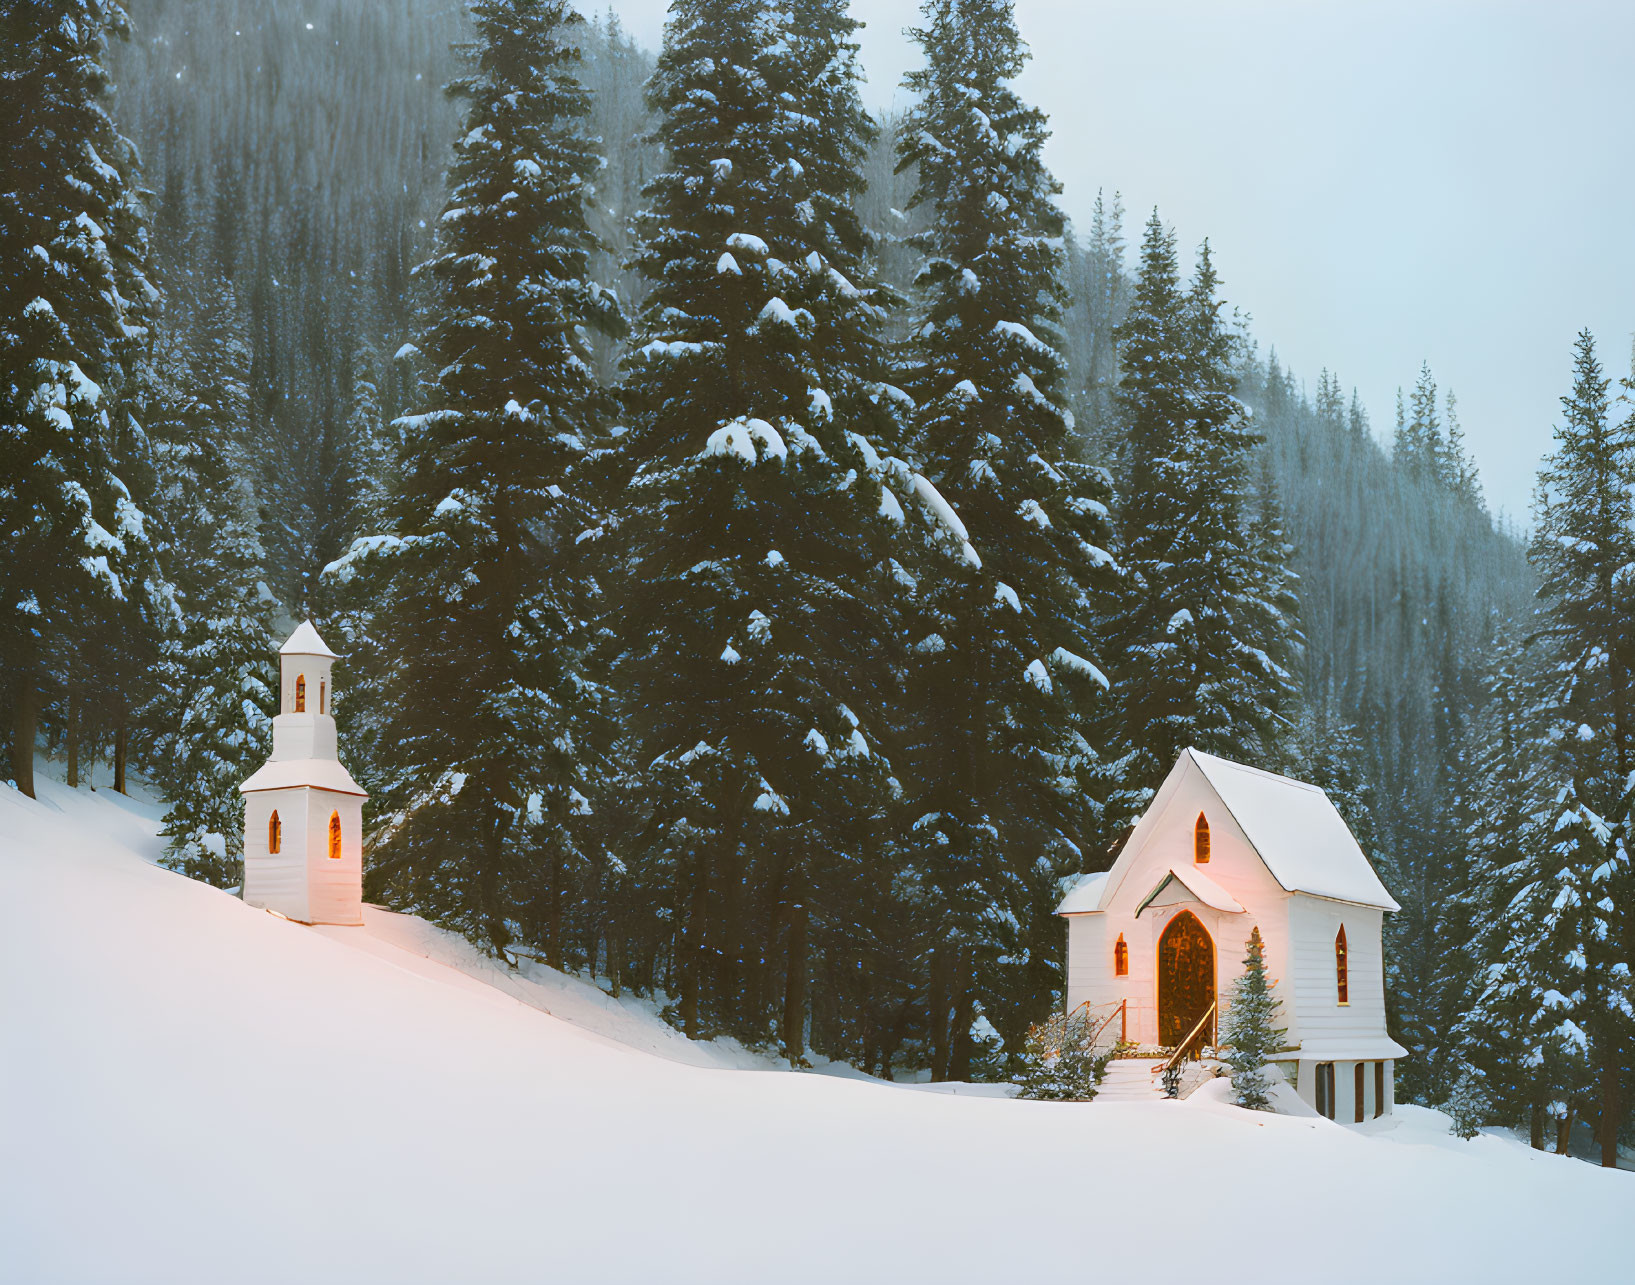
(1171, 1071)
(1098, 1035)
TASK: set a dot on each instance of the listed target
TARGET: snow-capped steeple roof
(305, 642)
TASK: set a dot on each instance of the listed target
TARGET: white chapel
(1160, 938)
(303, 812)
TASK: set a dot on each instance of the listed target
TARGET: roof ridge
(1258, 771)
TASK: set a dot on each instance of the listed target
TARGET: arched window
(322, 692)
(1200, 840)
(275, 835)
(334, 836)
(1121, 958)
(300, 693)
(1341, 979)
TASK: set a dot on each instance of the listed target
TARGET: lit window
(1200, 840)
(300, 693)
(334, 836)
(322, 692)
(1121, 958)
(1341, 979)
(275, 835)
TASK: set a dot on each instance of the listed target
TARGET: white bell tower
(303, 812)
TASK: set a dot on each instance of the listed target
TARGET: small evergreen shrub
(1060, 1064)
(1249, 1033)
(1468, 1105)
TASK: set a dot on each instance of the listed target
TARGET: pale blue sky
(1383, 182)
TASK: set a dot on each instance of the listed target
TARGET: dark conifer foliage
(1584, 549)
(1007, 723)
(81, 600)
(755, 561)
(1207, 631)
(206, 725)
(298, 152)
(472, 647)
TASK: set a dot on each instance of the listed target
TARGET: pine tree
(1461, 468)
(1503, 1039)
(1248, 1031)
(473, 652)
(1583, 548)
(209, 721)
(755, 565)
(80, 597)
(1207, 630)
(1007, 732)
(1427, 452)
(1107, 290)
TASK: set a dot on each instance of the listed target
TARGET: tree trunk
(72, 738)
(1536, 1126)
(553, 913)
(121, 753)
(959, 1038)
(25, 722)
(942, 999)
(1564, 1131)
(615, 963)
(794, 982)
(1609, 1110)
(692, 945)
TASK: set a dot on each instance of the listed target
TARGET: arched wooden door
(1186, 977)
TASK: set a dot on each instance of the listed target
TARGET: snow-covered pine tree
(1501, 1037)
(79, 594)
(755, 570)
(1583, 548)
(1206, 630)
(473, 651)
(1248, 1032)
(1004, 684)
(209, 722)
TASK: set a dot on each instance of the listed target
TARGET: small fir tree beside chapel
(1249, 1032)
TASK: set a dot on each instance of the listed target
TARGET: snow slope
(191, 1090)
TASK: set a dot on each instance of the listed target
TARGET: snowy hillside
(196, 1091)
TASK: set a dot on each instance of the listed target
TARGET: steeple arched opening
(1200, 840)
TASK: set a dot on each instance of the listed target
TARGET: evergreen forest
(774, 553)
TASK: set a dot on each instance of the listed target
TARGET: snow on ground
(191, 1090)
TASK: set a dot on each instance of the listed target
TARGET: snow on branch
(738, 437)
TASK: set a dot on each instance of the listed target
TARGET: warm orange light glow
(321, 694)
(1200, 840)
(275, 835)
(300, 693)
(1341, 979)
(1121, 958)
(334, 836)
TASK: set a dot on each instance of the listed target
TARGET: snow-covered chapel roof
(305, 642)
(1297, 831)
(1294, 828)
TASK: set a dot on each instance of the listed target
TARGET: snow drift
(197, 1091)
